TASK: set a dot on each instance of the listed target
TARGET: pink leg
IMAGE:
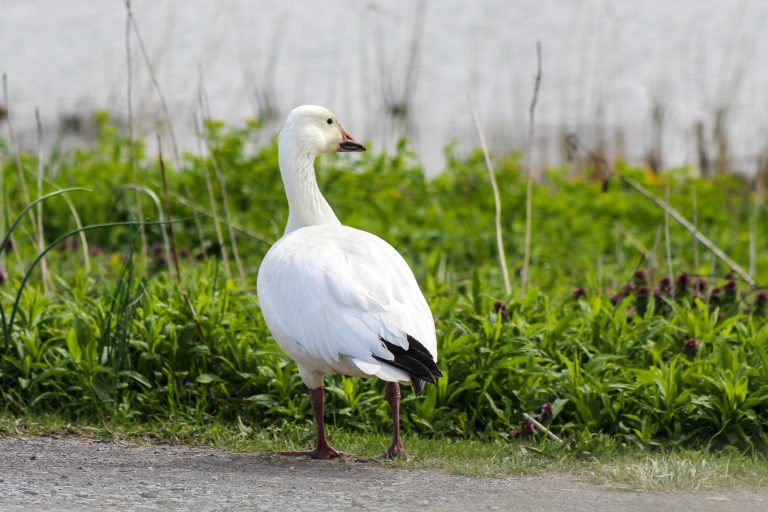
(323, 450)
(392, 395)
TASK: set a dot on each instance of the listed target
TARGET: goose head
(315, 130)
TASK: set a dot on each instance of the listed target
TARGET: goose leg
(392, 394)
(323, 450)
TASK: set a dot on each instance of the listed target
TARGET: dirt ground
(45, 474)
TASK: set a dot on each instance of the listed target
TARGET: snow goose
(336, 299)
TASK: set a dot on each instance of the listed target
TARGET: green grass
(636, 469)
(615, 358)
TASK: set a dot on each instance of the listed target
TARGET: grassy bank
(626, 338)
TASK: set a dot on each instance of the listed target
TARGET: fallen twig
(541, 427)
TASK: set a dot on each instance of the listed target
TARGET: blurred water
(605, 65)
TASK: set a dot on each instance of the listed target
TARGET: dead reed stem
(173, 250)
(2, 209)
(17, 157)
(47, 281)
(131, 146)
(695, 225)
(651, 270)
(222, 185)
(163, 106)
(83, 237)
(668, 246)
(173, 253)
(691, 228)
(634, 241)
(159, 207)
(237, 227)
(212, 200)
(529, 173)
(496, 199)
(753, 236)
(131, 23)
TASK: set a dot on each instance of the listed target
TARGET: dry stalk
(695, 224)
(173, 247)
(651, 270)
(172, 251)
(668, 246)
(717, 251)
(496, 199)
(634, 241)
(240, 229)
(753, 237)
(691, 228)
(158, 205)
(47, 281)
(163, 106)
(2, 209)
(17, 157)
(83, 237)
(222, 185)
(529, 173)
(212, 199)
(131, 146)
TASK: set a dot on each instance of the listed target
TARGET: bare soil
(47, 474)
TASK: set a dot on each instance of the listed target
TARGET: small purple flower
(157, 248)
(699, 287)
(527, 428)
(617, 298)
(500, 308)
(761, 303)
(730, 289)
(665, 286)
(579, 293)
(639, 279)
(545, 412)
(3, 275)
(642, 294)
(10, 246)
(691, 347)
(94, 251)
(682, 284)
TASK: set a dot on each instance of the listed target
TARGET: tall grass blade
(54, 244)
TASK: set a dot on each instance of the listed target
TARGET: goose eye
(329, 121)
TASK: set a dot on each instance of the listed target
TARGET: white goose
(337, 299)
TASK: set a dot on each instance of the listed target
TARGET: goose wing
(333, 292)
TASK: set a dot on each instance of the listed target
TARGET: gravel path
(44, 474)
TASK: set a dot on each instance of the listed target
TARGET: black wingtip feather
(418, 386)
(417, 362)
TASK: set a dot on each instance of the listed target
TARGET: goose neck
(306, 204)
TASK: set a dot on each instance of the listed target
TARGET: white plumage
(339, 300)
(330, 293)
